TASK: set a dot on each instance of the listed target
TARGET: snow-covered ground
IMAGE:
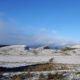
(17, 55)
(9, 60)
(26, 59)
(15, 61)
(20, 50)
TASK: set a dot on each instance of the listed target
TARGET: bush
(42, 76)
(46, 47)
(16, 77)
(55, 76)
(26, 48)
(67, 49)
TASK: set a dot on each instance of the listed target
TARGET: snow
(15, 50)
(40, 59)
(75, 46)
(9, 58)
(67, 59)
(13, 64)
(13, 61)
(16, 55)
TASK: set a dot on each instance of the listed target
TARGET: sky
(39, 21)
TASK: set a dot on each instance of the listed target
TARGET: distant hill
(4, 45)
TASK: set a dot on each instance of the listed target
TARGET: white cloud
(10, 34)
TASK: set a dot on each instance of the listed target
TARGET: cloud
(11, 34)
(47, 36)
(8, 31)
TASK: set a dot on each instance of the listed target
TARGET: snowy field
(14, 61)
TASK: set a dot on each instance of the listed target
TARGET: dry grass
(47, 67)
(68, 49)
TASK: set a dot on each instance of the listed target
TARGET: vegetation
(44, 67)
(47, 67)
(55, 76)
(18, 77)
(49, 76)
(78, 73)
(67, 49)
(42, 77)
(35, 52)
(46, 47)
(26, 48)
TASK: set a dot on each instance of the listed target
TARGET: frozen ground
(17, 55)
(13, 61)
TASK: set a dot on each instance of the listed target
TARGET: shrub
(46, 47)
(42, 76)
(55, 76)
(67, 49)
(16, 77)
(26, 48)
